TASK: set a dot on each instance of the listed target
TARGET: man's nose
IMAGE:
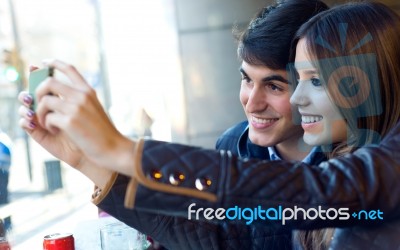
(258, 100)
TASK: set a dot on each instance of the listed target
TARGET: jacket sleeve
(175, 232)
(171, 177)
(166, 229)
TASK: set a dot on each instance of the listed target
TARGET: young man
(270, 132)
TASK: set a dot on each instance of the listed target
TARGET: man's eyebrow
(243, 72)
(275, 78)
(268, 78)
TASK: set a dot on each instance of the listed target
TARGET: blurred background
(162, 68)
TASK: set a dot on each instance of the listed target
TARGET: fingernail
(30, 113)
(32, 125)
(28, 99)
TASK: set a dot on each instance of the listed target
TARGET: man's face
(265, 95)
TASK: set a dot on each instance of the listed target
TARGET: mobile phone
(35, 78)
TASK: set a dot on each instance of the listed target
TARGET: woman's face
(320, 118)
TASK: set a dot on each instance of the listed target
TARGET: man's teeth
(310, 119)
(262, 121)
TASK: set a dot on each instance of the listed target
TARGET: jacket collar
(247, 149)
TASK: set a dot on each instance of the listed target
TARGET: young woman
(158, 178)
(348, 86)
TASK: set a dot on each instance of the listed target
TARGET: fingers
(65, 91)
(32, 68)
(30, 121)
(50, 104)
(54, 87)
(25, 99)
(69, 70)
(53, 121)
(27, 125)
(26, 113)
(59, 105)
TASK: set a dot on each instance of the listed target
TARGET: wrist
(121, 156)
(100, 176)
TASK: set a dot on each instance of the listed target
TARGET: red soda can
(58, 242)
(4, 245)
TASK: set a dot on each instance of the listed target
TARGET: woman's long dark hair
(360, 41)
(356, 49)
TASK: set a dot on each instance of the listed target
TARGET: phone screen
(35, 78)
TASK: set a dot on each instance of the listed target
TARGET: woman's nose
(299, 97)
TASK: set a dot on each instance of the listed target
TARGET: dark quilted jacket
(367, 179)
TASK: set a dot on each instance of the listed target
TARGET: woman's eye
(316, 82)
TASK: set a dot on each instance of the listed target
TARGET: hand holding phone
(35, 78)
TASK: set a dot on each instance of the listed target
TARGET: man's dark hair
(266, 41)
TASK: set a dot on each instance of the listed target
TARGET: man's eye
(245, 78)
(316, 82)
(274, 87)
